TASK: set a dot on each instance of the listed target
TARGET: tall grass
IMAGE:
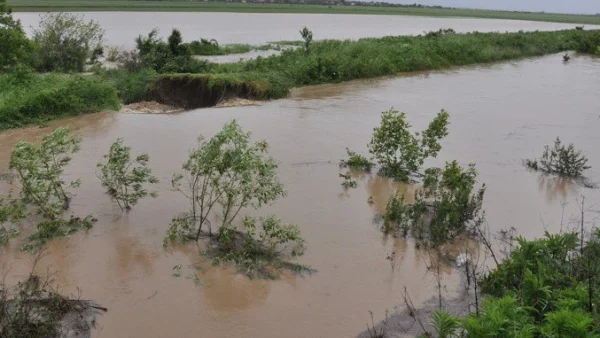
(27, 98)
(336, 61)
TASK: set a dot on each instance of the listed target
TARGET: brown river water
(500, 114)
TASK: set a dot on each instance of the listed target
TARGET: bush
(400, 152)
(561, 160)
(14, 45)
(39, 171)
(126, 179)
(356, 161)
(172, 56)
(445, 207)
(65, 42)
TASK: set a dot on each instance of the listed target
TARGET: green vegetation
(307, 36)
(229, 173)
(39, 172)
(238, 7)
(356, 161)
(65, 42)
(401, 153)
(125, 179)
(445, 207)
(14, 45)
(561, 160)
(212, 47)
(29, 98)
(172, 56)
(544, 288)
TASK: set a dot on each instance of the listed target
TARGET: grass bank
(336, 61)
(238, 7)
(27, 98)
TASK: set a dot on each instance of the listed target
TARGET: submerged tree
(445, 207)
(401, 152)
(39, 170)
(561, 160)
(229, 172)
(126, 179)
(11, 212)
(222, 176)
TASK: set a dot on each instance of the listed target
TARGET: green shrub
(130, 86)
(65, 41)
(356, 161)
(14, 45)
(561, 160)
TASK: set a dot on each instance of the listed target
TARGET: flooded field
(256, 29)
(500, 114)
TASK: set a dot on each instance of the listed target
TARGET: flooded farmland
(500, 114)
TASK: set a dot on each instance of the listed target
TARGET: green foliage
(445, 324)
(259, 247)
(272, 233)
(39, 171)
(131, 86)
(172, 56)
(398, 215)
(561, 160)
(14, 45)
(212, 47)
(65, 41)
(28, 98)
(126, 179)
(445, 207)
(401, 152)
(32, 309)
(544, 288)
(11, 212)
(307, 36)
(226, 171)
(356, 161)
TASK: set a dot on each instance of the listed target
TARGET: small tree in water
(39, 170)
(445, 207)
(401, 152)
(227, 171)
(561, 160)
(126, 179)
(307, 36)
(221, 177)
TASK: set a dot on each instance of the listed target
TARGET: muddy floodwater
(500, 114)
(123, 27)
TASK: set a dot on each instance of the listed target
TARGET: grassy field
(195, 6)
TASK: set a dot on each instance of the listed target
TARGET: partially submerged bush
(400, 152)
(561, 160)
(229, 173)
(124, 178)
(356, 161)
(34, 309)
(39, 171)
(446, 207)
(11, 212)
(260, 246)
(65, 41)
